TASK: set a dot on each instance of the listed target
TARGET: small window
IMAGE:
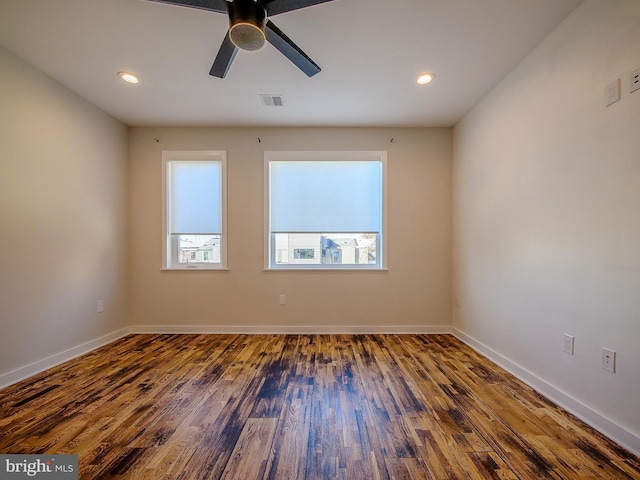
(325, 209)
(194, 210)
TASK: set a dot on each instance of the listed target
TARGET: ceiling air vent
(271, 100)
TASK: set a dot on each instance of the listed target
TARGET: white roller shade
(195, 199)
(325, 196)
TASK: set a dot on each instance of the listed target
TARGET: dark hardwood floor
(353, 407)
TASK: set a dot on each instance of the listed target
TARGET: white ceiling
(370, 52)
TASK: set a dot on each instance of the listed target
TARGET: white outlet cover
(609, 360)
(634, 80)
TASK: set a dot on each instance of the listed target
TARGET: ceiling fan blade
(278, 39)
(225, 57)
(219, 6)
(275, 7)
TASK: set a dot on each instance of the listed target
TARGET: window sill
(324, 269)
(197, 269)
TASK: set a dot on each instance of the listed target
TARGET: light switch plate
(612, 93)
(568, 344)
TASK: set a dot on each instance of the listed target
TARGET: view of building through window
(198, 249)
(325, 248)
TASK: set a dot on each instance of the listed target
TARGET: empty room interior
(269, 259)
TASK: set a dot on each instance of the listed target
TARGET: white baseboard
(290, 329)
(617, 433)
(38, 366)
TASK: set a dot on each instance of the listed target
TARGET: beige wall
(414, 294)
(547, 215)
(62, 218)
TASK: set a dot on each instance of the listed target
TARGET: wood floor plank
(244, 407)
(252, 452)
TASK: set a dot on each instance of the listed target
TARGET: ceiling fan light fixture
(425, 78)
(247, 21)
(247, 36)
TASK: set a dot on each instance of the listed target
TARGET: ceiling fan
(249, 28)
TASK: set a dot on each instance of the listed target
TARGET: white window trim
(332, 155)
(196, 155)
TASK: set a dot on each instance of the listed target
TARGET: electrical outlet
(282, 300)
(612, 93)
(568, 344)
(100, 306)
(609, 360)
(634, 83)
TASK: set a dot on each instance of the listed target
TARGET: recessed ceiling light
(425, 78)
(128, 77)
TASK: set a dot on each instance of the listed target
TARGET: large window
(325, 210)
(194, 210)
